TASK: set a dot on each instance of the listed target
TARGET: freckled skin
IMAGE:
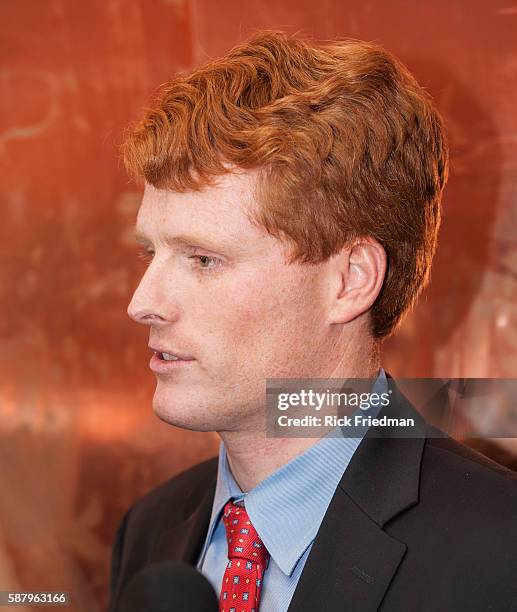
(252, 317)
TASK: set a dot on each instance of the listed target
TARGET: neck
(253, 457)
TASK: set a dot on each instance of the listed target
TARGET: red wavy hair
(345, 141)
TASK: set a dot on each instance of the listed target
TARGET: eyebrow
(180, 239)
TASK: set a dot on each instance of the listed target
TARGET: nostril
(140, 315)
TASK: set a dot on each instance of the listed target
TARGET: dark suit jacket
(415, 525)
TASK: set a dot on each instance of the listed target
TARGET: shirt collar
(296, 496)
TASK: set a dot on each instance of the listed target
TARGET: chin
(185, 414)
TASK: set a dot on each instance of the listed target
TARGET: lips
(170, 367)
(159, 350)
(160, 365)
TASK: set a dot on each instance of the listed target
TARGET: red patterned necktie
(247, 561)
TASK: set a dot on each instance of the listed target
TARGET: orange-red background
(78, 439)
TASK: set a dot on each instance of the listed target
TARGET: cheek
(250, 317)
(257, 318)
(228, 319)
(268, 315)
(248, 312)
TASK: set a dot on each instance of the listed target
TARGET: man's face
(225, 296)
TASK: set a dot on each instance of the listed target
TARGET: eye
(206, 262)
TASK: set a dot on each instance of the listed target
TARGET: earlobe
(361, 268)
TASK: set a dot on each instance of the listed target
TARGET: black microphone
(169, 586)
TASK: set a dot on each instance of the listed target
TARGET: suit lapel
(351, 563)
(353, 560)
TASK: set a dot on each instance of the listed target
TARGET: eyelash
(146, 256)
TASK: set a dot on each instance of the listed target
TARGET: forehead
(221, 210)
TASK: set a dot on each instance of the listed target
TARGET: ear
(357, 275)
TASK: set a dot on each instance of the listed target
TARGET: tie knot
(243, 540)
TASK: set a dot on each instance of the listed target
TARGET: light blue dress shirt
(286, 509)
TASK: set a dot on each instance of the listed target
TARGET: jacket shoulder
(468, 493)
(462, 466)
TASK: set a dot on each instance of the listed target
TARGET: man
(290, 217)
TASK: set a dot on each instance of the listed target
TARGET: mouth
(169, 353)
(171, 357)
(164, 363)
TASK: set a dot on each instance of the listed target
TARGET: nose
(150, 304)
